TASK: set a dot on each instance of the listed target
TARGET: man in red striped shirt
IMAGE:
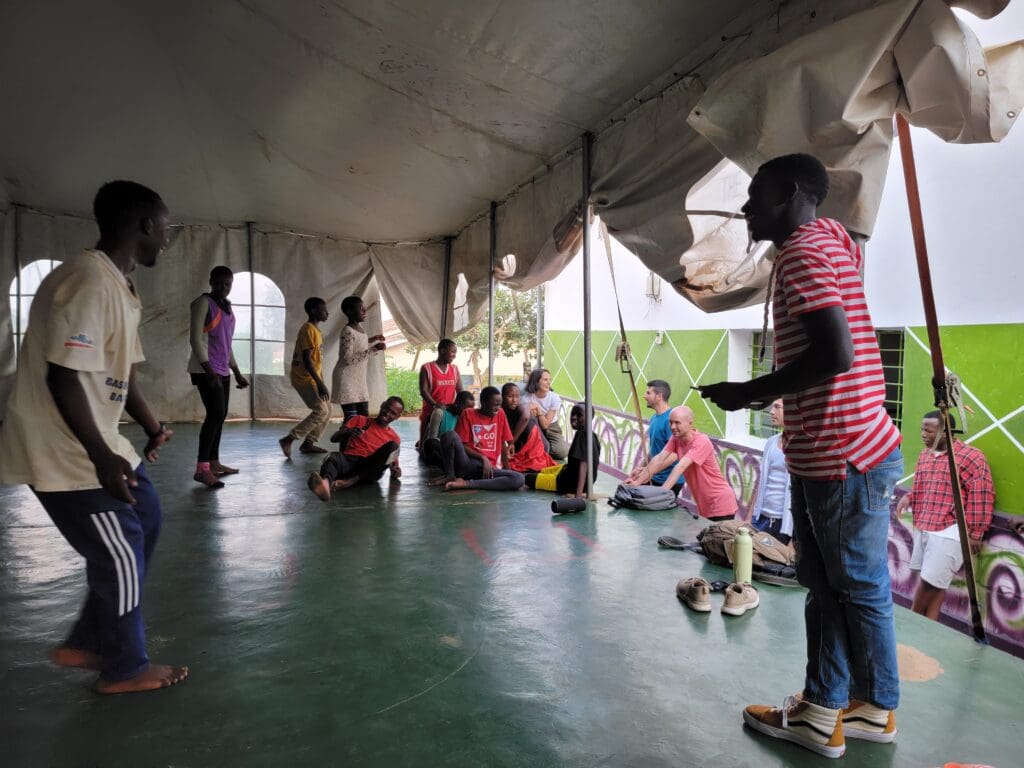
(937, 553)
(842, 450)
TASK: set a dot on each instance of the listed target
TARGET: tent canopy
(382, 127)
(360, 119)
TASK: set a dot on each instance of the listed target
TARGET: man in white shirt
(76, 376)
(771, 512)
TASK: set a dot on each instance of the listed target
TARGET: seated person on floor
(658, 431)
(696, 459)
(471, 452)
(443, 421)
(528, 452)
(366, 448)
(569, 479)
(771, 512)
(545, 406)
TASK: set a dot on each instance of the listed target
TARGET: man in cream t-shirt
(76, 376)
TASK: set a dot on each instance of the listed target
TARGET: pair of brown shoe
(695, 592)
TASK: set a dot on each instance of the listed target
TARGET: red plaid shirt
(931, 498)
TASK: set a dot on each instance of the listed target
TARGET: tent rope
(622, 352)
(945, 386)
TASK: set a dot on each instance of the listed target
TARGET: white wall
(563, 303)
(972, 198)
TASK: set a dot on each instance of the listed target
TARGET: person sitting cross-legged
(659, 433)
(528, 452)
(442, 421)
(471, 452)
(368, 447)
(570, 479)
(694, 456)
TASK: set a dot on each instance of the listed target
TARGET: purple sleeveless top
(220, 330)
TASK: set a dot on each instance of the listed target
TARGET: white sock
(818, 720)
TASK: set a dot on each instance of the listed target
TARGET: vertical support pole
(252, 320)
(446, 287)
(588, 374)
(540, 326)
(17, 281)
(490, 294)
(939, 381)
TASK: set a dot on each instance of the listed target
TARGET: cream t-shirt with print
(85, 316)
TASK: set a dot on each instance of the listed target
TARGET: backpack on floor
(646, 497)
(716, 543)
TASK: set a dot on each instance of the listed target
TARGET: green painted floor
(406, 626)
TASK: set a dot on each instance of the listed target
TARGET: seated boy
(569, 479)
(471, 452)
(368, 447)
(442, 421)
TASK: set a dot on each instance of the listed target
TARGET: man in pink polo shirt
(694, 457)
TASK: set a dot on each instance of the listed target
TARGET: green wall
(989, 359)
(682, 358)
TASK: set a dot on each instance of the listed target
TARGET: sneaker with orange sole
(866, 721)
(818, 729)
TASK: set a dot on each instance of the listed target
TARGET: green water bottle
(742, 554)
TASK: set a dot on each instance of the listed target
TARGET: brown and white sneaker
(868, 722)
(818, 729)
(740, 598)
(695, 592)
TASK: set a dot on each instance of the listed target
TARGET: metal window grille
(23, 290)
(761, 421)
(890, 346)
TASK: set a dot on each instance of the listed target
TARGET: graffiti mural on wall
(1000, 566)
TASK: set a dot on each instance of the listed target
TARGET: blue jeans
(841, 534)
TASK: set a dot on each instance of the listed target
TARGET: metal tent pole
(446, 286)
(540, 326)
(939, 382)
(252, 321)
(588, 144)
(17, 280)
(490, 295)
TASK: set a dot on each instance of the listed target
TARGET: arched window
(23, 290)
(259, 306)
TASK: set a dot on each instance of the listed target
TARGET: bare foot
(319, 486)
(63, 656)
(152, 678)
(220, 470)
(345, 482)
(286, 445)
(457, 484)
(308, 447)
(439, 481)
(208, 479)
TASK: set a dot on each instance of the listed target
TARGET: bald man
(694, 457)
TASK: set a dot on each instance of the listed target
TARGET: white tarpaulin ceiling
(389, 125)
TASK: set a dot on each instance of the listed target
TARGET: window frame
(759, 422)
(250, 333)
(15, 294)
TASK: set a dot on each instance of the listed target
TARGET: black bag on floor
(646, 497)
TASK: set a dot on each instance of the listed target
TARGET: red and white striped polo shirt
(844, 419)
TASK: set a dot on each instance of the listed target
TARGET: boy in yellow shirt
(307, 378)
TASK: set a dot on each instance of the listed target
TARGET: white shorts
(936, 557)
